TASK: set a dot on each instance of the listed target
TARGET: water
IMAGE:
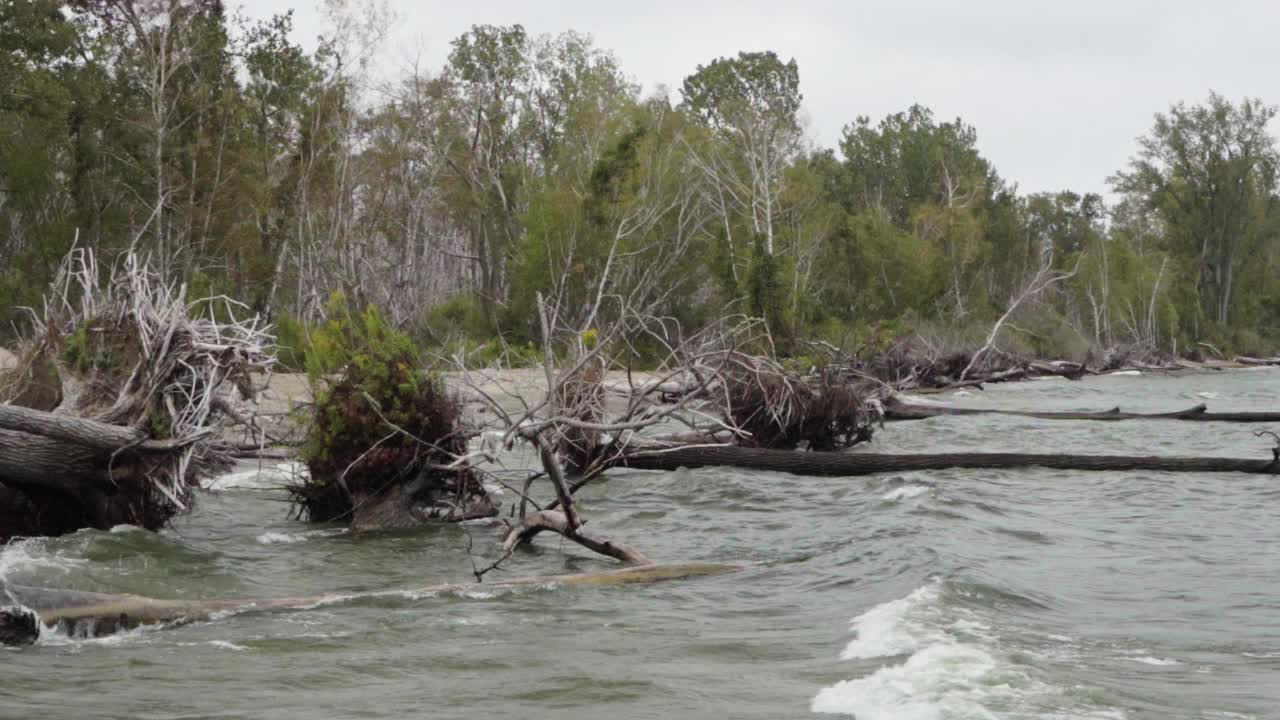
(952, 594)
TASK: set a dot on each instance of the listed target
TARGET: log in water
(851, 464)
(1200, 413)
(89, 614)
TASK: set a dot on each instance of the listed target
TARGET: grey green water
(956, 594)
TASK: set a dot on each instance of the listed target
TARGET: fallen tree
(853, 464)
(898, 410)
(113, 412)
(87, 614)
(385, 446)
(1253, 361)
(705, 386)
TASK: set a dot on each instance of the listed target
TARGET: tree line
(452, 197)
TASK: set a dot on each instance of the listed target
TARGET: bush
(459, 317)
(384, 423)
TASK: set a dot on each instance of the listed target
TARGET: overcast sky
(1058, 91)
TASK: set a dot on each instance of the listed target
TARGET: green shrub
(458, 317)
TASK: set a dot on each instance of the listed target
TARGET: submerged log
(88, 614)
(898, 410)
(852, 464)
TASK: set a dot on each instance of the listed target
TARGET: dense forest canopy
(246, 166)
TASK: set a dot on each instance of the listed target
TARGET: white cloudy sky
(1057, 90)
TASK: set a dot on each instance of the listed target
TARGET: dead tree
(705, 393)
(1044, 278)
(131, 381)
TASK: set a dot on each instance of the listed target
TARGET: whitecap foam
(277, 538)
(122, 529)
(906, 492)
(953, 667)
(31, 554)
(943, 680)
(226, 645)
(283, 538)
(254, 477)
(1208, 395)
(889, 628)
(82, 635)
(1149, 660)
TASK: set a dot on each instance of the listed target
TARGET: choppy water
(954, 594)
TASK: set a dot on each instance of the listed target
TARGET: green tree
(751, 102)
(1209, 172)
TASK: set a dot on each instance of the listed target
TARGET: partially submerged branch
(86, 614)
(556, 522)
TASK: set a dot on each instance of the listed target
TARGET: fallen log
(1061, 368)
(898, 410)
(1256, 362)
(88, 614)
(852, 464)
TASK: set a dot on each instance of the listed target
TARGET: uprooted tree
(114, 411)
(592, 414)
(386, 447)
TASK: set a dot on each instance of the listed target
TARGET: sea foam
(948, 666)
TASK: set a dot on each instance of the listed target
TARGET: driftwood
(87, 614)
(897, 410)
(1254, 362)
(852, 464)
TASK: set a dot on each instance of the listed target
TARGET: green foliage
(532, 165)
(75, 350)
(383, 421)
(292, 343)
(765, 292)
(1210, 173)
(375, 360)
(727, 90)
(458, 317)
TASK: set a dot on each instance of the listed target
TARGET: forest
(449, 198)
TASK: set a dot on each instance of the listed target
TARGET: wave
(950, 665)
(1159, 662)
(906, 492)
(255, 477)
(33, 554)
(285, 538)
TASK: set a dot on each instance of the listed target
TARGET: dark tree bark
(852, 464)
(60, 473)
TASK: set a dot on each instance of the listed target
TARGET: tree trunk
(909, 411)
(852, 464)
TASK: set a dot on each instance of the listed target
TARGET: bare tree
(1044, 278)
